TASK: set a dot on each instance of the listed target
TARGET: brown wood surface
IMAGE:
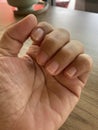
(84, 27)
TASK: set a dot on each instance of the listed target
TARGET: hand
(39, 91)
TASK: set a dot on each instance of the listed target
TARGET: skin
(34, 95)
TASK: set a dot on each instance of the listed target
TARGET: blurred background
(83, 5)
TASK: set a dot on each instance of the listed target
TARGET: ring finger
(64, 57)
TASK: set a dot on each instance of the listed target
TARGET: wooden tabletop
(84, 27)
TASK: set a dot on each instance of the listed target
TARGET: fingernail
(71, 72)
(37, 34)
(42, 58)
(52, 68)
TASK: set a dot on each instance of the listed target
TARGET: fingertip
(40, 31)
(37, 34)
(21, 30)
(31, 17)
(89, 61)
(29, 21)
(81, 65)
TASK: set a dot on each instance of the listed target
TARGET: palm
(34, 99)
(30, 98)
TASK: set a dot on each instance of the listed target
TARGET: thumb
(13, 39)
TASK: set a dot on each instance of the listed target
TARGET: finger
(37, 35)
(13, 38)
(51, 44)
(40, 31)
(64, 57)
(33, 51)
(81, 65)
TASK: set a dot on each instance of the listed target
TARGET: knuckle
(46, 27)
(64, 31)
(49, 45)
(50, 38)
(73, 48)
(58, 36)
(43, 23)
(67, 52)
(64, 34)
(79, 46)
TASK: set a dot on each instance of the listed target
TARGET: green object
(25, 7)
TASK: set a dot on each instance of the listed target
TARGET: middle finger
(51, 44)
(64, 57)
